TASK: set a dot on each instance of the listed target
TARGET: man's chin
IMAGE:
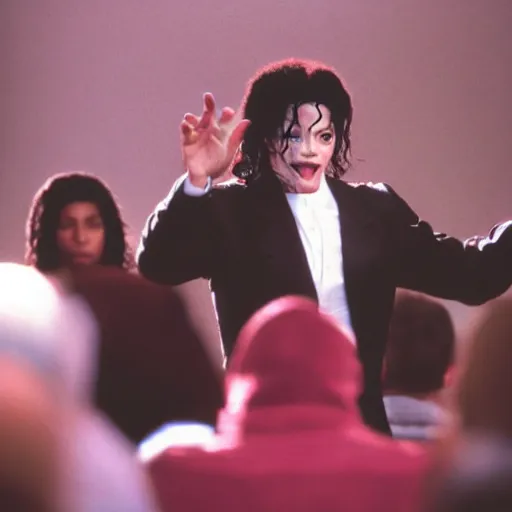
(309, 186)
(307, 190)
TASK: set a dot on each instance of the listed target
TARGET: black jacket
(245, 240)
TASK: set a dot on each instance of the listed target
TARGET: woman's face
(302, 152)
(80, 234)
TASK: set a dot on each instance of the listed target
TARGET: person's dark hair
(421, 345)
(43, 220)
(269, 95)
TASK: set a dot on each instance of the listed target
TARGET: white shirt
(317, 219)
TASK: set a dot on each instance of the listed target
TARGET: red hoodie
(290, 437)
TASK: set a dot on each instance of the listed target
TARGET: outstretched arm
(472, 271)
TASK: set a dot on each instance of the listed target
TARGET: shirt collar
(319, 199)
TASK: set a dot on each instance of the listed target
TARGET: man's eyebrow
(317, 129)
(289, 124)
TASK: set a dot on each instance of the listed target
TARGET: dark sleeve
(472, 271)
(178, 240)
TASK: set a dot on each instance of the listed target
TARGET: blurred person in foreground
(418, 366)
(290, 436)
(29, 432)
(52, 336)
(153, 368)
(475, 469)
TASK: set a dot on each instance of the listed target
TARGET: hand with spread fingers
(209, 144)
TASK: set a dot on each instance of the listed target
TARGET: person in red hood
(290, 436)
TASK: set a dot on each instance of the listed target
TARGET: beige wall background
(101, 85)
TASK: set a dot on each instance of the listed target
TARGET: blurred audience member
(291, 436)
(153, 368)
(29, 424)
(75, 220)
(476, 471)
(487, 377)
(478, 477)
(418, 366)
(52, 338)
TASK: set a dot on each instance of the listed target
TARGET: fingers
(188, 133)
(208, 111)
(237, 135)
(209, 101)
(227, 114)
(192, 120)
(230, 125)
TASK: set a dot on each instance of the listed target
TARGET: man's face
(302, 151)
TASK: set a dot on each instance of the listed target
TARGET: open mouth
(306, 171)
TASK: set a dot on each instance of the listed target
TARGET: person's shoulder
(362, 191)
(370, 188)
(380, 197)
(103, 279)
(374, 196)
(120, 299)
(398, 457)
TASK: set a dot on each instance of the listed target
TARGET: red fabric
(290, 437)
(152, 366)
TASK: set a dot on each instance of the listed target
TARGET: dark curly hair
(269, 95)
(58, 192)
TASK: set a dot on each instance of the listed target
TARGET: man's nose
(307, 148)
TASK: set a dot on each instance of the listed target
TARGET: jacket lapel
(362, 253)
(277, 241)
(281, 259)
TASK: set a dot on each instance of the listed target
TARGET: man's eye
(326, 137)
(294, 137)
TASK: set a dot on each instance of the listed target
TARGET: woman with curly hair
(75, 220)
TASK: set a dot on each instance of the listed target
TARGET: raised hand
(209, 144)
